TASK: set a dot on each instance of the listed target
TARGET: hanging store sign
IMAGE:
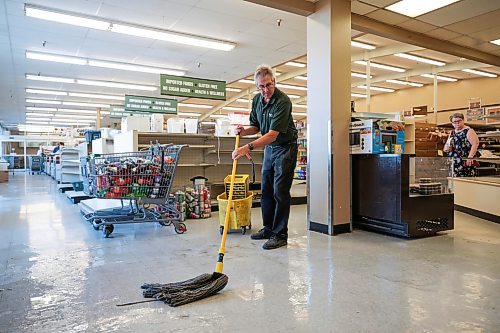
(150, 104)
(192, 87)
(419, 110)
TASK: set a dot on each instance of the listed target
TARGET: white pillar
(328, 105)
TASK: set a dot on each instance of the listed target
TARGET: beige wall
(450, 95)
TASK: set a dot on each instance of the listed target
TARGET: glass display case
(430, 176)
(384, 196)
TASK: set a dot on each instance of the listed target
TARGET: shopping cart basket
(35, 164)
(142, 179)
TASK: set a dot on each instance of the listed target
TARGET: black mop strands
(180, 293)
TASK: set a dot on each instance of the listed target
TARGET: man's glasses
(457, 121)
(267, 86)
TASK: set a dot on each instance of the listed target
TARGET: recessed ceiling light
(199, 106)
(243, 100)
(97, 96)
(234, 108)
(414, 8)
(382, 66)
(189, 114)
(440, 77)
(377, 88)
(301, 77)
(46, 92)
(360, 75)
(102, 63)
(299, 106)
(42, 101)
(233, 89)
(420, 59)
(218, 116)
(475, 71)
(35, 108)
(290, 86)
(125, 28)
(246, 81)
(362, 45)
(299, 114)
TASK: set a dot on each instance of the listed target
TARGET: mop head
(183, 292)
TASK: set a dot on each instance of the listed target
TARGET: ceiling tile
(487, 34)
(459, 11)
(388, 17)
(477, 23)
(361, 8)
(488, 47)
(443, 34)
(417, 26)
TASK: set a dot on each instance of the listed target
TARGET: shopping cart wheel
(221, 229)
(107, 230)
(165, 223)
(180, 228)
(243, 230)
(96, 224)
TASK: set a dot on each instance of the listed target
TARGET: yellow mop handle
(222, 249)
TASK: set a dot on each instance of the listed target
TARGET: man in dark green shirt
(272, 116)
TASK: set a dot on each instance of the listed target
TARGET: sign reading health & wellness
(150, 104)
(192, 87)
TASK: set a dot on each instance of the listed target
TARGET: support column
(98, 119)
(328, 104)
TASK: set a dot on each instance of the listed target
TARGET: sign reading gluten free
(192, 87)
(150, 104)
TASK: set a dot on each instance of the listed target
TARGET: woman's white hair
(263, 70)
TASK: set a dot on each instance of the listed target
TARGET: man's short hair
(457, 115)
(263, 70)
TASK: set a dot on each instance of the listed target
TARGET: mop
(202, 286)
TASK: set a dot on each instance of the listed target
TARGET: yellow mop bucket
(240, 214)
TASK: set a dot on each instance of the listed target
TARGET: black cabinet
(381, 198)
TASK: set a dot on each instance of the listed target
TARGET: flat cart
(35, 164)
(141, 180)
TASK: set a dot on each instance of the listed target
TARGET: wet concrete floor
(57, 274)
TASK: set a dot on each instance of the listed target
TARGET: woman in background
(462, 143)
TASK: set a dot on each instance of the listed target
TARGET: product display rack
(301, 168)
(70, 166)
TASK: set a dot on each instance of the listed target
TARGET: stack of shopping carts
(141, 180)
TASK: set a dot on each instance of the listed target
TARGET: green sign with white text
(192, 87)
(150, 104)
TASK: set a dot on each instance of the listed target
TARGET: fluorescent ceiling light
(98, 96)
(96, 105)
(127, 29)
(34, 108)
(62, 17)
(37, 118)
(218, 116)
(376, 65)
(189, 114)
(243, 100)
(414, 8)
(291, 96)
(80, 111)
(234, 108)
(289, 86)
(108, 84)
(405, 83)
(49, 78)
(303, 114)
(475, 71)
(233, 89)
(198, 106)
(111, 84)
(42, 101)
(301, 77)
(299, 106)
(362, 45)
(39, 114)
(34, 122)
(496, 41)
(102, 63)
(295, 64)
(70, 123)
(358, 95)
(377, 88)
(363, 76)
(46, 92)
(440, 77)
(420, 59)
(246, 81)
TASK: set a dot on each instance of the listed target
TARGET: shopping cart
(141, 180)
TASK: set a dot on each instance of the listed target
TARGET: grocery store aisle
(59, 275)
